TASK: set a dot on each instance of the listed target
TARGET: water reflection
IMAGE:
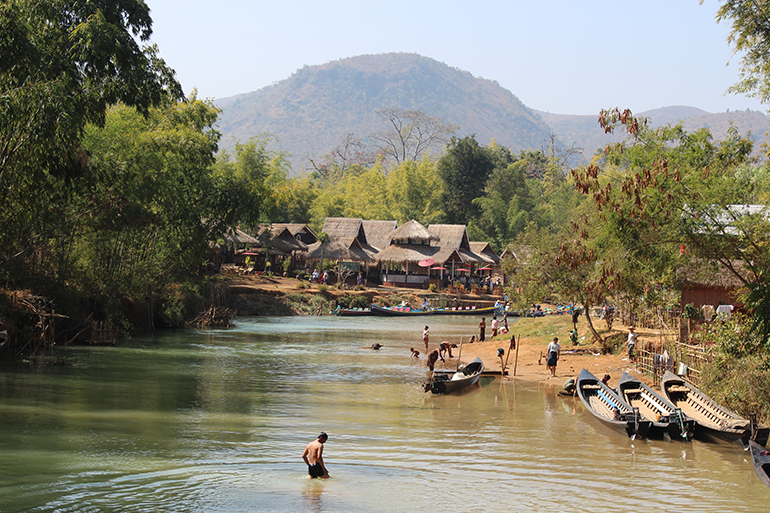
(217, 421)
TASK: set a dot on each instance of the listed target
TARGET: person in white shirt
(632, 337)
(553, 356)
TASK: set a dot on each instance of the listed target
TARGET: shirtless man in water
(313, 456)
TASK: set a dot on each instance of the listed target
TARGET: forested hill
(313, 110)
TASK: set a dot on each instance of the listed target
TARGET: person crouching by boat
(433, 357)
(314, 459)
(553, 356)
(425, 337)
(606, 380)
(446, 348)
(570, 388)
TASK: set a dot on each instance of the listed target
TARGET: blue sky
(560, 56)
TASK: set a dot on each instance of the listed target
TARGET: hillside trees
(411, 134)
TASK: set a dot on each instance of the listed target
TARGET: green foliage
(749, 37)
(464, 168)
(691, 312)
(351, 301)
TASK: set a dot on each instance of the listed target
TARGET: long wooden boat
(489, 311)
(761, 458)
(714, 421)
(399, 311)
(609, 408)
(352, 312)
(446, 382)
(667, 420)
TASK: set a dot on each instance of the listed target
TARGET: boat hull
(442, 382)
(715, 422)
(391, 312)
(601, 401)
(666, 419)
(761, 460)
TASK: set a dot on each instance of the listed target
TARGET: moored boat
(608, 407)
(714, 421)
(446, 382)
(405, 311)
(352, 312)
(761, 459)
(667, 419)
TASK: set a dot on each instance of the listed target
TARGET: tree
(464, 168)
(350, 152)
(147, 214)
(61, 64)
(750, 35)
(411, 134)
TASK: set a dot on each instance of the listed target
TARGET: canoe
(352, 312)
(667, 419)
(399, 311)
(446, 382)
(714, 421)
(761, 459)
(404, 311)
(608, 407)
(489, 311)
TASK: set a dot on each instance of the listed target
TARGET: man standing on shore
(314, 459)
(482, 328)
(425, 338)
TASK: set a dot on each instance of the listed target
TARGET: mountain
(585, 132)
(311, 111)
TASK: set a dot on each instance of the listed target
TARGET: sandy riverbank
(535, 333)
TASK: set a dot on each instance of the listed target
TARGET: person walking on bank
(425, 338)
(553, 356)
(482, 328)
(314, 458)
(632, 337)
(495, 326)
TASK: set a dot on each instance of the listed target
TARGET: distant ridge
(312, 110)
(585, 132)
(317, 106)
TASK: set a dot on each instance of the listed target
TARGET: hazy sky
(560, 56)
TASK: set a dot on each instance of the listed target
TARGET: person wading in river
(314, 459)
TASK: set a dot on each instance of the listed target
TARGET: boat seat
(655, 404)
(609, 400)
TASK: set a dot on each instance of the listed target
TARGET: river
(216, 421)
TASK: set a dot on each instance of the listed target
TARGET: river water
(216, 421)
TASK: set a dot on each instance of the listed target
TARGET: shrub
(432, 287)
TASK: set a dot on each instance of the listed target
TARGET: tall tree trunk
(591, 328)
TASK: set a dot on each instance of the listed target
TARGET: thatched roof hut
(346, 249)
(236, 236)
(485, 251)
(378, 233)
(708, 283)
(454, 244)
(340, 228)
(413, 232)
(300, 231)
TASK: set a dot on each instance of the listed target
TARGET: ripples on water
(217, 421)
